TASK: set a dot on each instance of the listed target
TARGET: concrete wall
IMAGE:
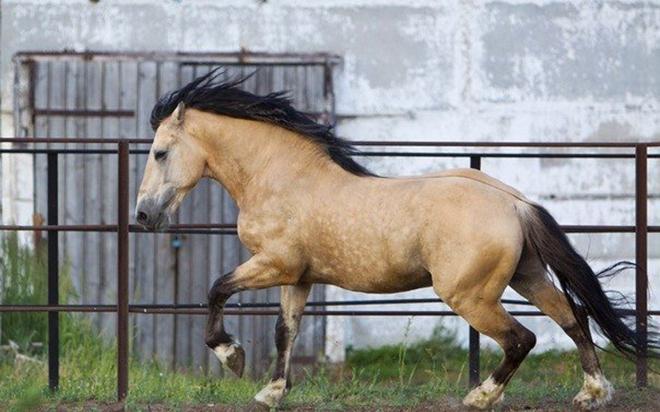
(420, 69)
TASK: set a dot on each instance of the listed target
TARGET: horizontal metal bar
(55, 139)
(418, 143)
(230, 228)
(57, 308)
(62, 151)
(65, 151)
(249, 305)
(502, 155)
(84, 113)
(238, 57)
(210, 229)
(241, 312)
(250, 312)
(318, 303)
(422, 143)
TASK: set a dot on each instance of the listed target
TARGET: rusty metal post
(122, 271)
(53, 276)
(641, 259)
(473, 339)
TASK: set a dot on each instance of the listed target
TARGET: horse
(310, 214)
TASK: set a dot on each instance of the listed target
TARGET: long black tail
(580, 283)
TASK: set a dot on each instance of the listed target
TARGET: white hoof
(225, 351)
(272, 394)
(596, 392)
(485, 395)
(232, 356)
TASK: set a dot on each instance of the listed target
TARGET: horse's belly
(378, 278)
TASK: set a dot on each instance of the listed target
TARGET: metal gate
(110, 95)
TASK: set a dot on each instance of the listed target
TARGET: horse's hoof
(236, 361)
(232, 356)
(595, 393)
(272, 394)
(256, 406)
(485, 396)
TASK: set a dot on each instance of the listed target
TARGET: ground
(426, 376)
(639, 401)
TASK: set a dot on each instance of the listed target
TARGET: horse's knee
(222, 289)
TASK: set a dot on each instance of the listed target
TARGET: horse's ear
(177, 115)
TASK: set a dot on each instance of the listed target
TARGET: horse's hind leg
(532, 282)
(472, 285)
(515, 340)
(291, 310)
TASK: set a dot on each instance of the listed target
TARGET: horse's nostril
(142, 217)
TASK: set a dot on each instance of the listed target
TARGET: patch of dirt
(645, 401)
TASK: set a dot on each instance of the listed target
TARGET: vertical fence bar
(473, 339)
(122, 271)
(641, 259)
(53, 276)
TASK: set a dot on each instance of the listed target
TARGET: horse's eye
(160, 155)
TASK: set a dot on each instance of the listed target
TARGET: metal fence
(122, 149)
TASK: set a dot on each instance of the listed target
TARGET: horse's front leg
(291, 310)
(257, 273)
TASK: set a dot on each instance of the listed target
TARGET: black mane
(209, 94)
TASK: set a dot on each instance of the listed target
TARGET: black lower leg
(580, 334)
(219, 293)
(517, 344)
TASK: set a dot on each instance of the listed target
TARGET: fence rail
(123, 227)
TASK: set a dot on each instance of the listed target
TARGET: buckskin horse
(310, 214)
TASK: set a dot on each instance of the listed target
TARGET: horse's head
(176, 163)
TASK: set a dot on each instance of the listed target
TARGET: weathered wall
(420, 69)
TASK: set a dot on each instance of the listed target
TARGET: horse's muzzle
(151, 215)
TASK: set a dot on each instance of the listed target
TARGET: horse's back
(475, 175)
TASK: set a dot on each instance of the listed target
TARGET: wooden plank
(183, 290)
(58, 99)
(41, 129)
(164, 279)
(145, 242)
(127, 90)
(93, 180)
(74, 188)
(69, 127)
(110, 129)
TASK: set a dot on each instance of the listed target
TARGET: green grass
(387, 377)
(24, 280)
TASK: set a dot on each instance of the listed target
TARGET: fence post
(122, 271)
(53, 275)
(473, 339)
(641, 259)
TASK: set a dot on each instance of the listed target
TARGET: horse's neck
(248, 156)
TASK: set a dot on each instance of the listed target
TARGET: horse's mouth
(162, 224)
